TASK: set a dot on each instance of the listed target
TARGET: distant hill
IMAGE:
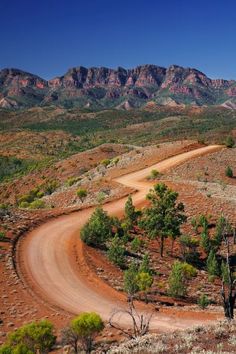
(105, 88)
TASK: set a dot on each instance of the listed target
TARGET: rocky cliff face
(112, 87)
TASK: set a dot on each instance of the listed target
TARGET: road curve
(51, 256)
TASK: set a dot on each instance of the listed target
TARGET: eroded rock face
(101, 84)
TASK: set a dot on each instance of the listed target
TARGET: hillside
(100, 87)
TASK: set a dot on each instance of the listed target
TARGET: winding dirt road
(51, 258)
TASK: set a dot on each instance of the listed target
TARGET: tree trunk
(229, 307)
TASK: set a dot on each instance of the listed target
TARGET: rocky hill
(122, 88)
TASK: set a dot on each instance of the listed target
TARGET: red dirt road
(52, 262)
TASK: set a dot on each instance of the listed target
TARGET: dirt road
(52, 261)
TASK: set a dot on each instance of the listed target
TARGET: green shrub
(31, 338)
(203, 301)
(2, 236)
(24, 205)
(189, 270)
(144, 282)
(72, 180)
(105, 162)
(136, 244)
(51, 186)
(145, 264)
(229, 172)
(98, 229)
(154, 174)
(37, 204)
(177, 280)
(40, 194)
(229, 142)
(82, 194)
(130, 280)
(87, 326)
(116, 252)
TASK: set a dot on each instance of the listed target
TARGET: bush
(71, 180)
(189, 270)
(136, 244)
(145, 265)
(2, 236)
(105, 162)
(98, 229)
(87, 326)
(177, 286)
(144, 282)
(24, 205)
(116, 252)
(51, 186)
(229, 172)
(82, 194)
(31, 338)
(154, 174)
(203, 301)
(37, 204)
(130, 280)
(229, 142)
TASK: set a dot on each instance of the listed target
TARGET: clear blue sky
(47, 37)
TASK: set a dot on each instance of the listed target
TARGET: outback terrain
(60, 165)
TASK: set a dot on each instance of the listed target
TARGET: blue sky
(47, 37)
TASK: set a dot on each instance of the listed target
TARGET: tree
(165, 216)
(70, 337)
(116, 252)
(229, 172)
(212, 264)
(82, 194)
(177, 286)
(145, 265)
(205, 241)
(87, 326)
(131, 215)
(130, 281)
(98, 229)
(144, 282)
(189, 246)
(31, 338)
(203, 301)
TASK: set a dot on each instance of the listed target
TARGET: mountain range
(100, 87)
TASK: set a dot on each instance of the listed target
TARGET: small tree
(32, 337)
(98, 229)
(131, 214)
(87, 326)
(145, 265)
(229, 172)
(130, 281)
(82, 194)
(205, 241)
(189, 246)
(203, 301)
(177, 286)
(136, 244)
(165, 216)
(212, 264)
(144, 282)
(116, 252)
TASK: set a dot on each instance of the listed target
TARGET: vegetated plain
(39, 144)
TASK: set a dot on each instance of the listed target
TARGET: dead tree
(140, 321)
(228, 289)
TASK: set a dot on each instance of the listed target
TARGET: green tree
(136, 244)
(177, 280)
(145, 264)
(130, 281)
(116, 252)
(98, 229)
(87, 326)
(164, 216)
(82, 194)
(205, 242)
(144, 282)
(30, 338)
(212, 264)
(131, 214)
